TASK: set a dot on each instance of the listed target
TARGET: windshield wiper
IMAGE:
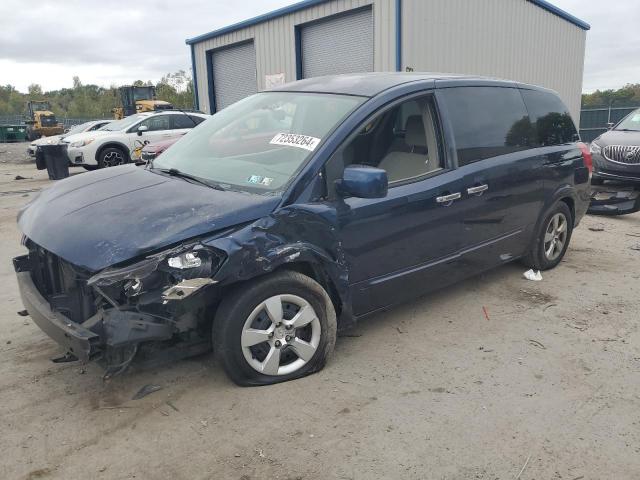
(174, 172)
(627, 130)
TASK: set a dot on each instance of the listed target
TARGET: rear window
(487, 122)
(550, 119)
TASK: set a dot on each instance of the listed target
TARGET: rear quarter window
(487, 122)
(550, 120)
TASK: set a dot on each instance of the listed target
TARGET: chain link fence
(66, 121)
(596, 121)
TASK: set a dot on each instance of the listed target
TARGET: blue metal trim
(196, 102)
(561, 13)
(255, 20)
(310, 3)
(212, 95)
(398, 35)
(298, 40)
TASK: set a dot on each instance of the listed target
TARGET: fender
(293, 236)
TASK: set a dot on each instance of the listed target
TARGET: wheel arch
(113, 144)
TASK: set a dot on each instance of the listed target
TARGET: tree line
(627, 96)
(93, 101)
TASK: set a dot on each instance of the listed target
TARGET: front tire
(274, 329)
(111, 157)
(552, 239)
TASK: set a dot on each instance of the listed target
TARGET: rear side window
(487, 122)
(186, 121)
(550, 119)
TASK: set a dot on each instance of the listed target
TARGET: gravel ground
(544, 386)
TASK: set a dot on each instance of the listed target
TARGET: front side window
(550, 120)
(258, 144)
(119, 125)
(156, 123)
(403, 140)
(630, 123)
(487, 122)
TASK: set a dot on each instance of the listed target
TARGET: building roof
(371, 84)
(310, 3)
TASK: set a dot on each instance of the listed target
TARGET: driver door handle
(478, 190)
(447, 200)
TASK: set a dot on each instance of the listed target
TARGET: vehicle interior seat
(412, 159)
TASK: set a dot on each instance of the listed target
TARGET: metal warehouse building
(530, 41)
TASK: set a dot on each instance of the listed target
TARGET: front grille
(63, 285)
(627, 154)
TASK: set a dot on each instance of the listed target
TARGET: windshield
(78, 128)
(258, 144)
(122, 124)
(631, 122)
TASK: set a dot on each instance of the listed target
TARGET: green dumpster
(13, 133)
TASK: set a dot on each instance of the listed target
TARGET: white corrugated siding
(512, 39)
(275, 41)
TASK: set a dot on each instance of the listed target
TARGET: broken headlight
(158, 273)
(185, 260)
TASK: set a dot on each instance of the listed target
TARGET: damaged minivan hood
(116, 214)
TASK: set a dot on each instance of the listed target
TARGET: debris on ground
(597, 228)
(635, 247)
(536, 343)
(146, 390)
(23, 313)
(20, 177)
(533, 276)
(486, 313)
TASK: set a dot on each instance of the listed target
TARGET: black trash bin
(55, 158)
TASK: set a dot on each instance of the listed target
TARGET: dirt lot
(545, 386)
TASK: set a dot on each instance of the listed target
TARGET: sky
(119, 41)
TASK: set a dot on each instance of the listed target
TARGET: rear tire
(112, 157)
(274, 329)
(552, 239)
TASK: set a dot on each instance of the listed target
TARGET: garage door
(234, 74)
(343, 44)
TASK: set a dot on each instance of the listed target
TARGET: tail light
(586, 157)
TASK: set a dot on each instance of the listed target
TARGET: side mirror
(142, 129)
(363, 181)
(610, 125)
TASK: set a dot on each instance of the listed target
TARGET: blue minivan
(298, 211)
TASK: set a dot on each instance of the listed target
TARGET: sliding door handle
(446, 200)
(478, 190)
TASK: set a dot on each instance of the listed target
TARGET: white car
(122, 141)
(54, 139)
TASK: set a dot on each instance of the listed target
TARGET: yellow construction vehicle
(41, 121)
(138, 99)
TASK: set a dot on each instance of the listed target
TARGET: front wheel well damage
(317, 273)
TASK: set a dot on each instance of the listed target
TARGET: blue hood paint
(113, 215)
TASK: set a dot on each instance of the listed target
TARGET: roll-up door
(234, 73)
(341, 44)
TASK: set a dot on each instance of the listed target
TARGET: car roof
(372, 84)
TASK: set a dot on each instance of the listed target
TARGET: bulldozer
(41, 121)
(138, 99)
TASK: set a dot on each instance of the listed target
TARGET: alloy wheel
(555, 236)
(113, 158)
(281, 335)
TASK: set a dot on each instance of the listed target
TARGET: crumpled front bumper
(73, 337)
(91, 339)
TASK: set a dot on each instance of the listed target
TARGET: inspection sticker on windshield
(295, 140)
